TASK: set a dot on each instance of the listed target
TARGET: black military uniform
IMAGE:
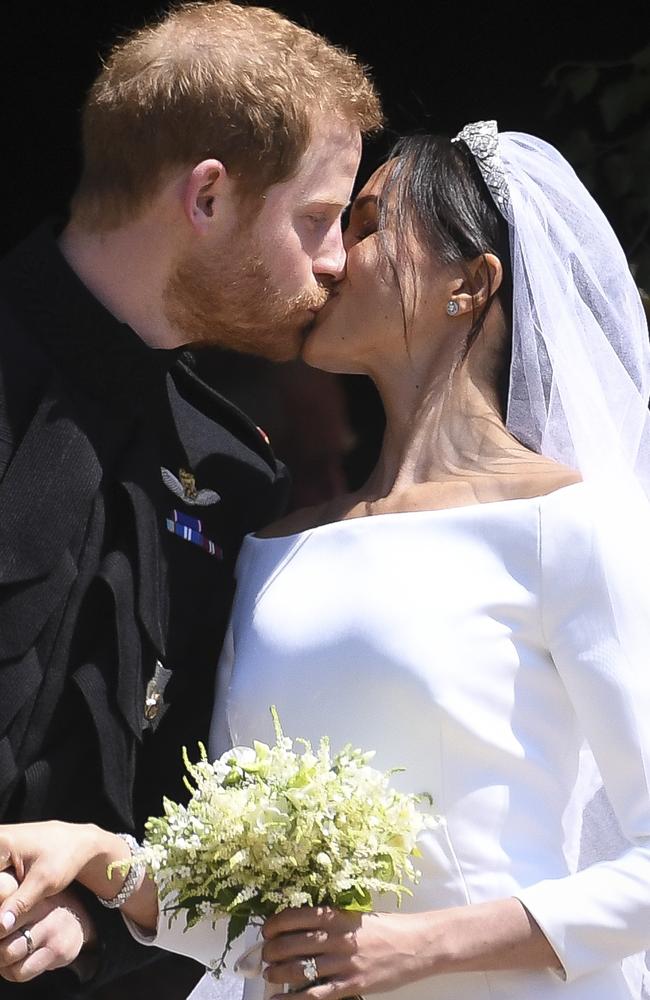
(126, 487)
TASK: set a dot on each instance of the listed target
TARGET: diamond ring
(309, 970)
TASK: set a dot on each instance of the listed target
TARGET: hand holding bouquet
(268, 828)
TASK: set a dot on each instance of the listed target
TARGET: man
(220, 149)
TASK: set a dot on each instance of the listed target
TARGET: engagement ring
(309, 970)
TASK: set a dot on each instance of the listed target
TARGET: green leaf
(276, 724)
(236, 926)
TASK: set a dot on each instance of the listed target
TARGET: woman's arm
(47, 857)
(596, 621)
(575, 924)
(377, 952)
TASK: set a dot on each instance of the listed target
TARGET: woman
(478, 609)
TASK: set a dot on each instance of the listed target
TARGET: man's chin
(283, 344)
(277, 346)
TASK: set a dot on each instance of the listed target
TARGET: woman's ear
(481, 279)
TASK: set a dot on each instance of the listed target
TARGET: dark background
(437, 65)
(575, 72)
(567, 71)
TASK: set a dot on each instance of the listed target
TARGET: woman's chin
(326, 347)
(319, 352)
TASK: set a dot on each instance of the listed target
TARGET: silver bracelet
(132, 879)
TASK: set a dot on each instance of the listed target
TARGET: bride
(477, 613)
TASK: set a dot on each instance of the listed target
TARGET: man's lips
(333, 296)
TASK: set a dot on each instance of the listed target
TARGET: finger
(305, 918)
(286, 947)
(15, 910)
(8, 856)
(8, 884)
(33, 925)
(16, 948)
(334, 989)
(5, 853)
(293, 973)
(31, 967)
(56, 939)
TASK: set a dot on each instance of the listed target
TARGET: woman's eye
(360, 231)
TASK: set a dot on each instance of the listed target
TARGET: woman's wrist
(103, 849)
(434, 935)
(484, 937)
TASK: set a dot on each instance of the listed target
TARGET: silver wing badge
(155, 705)
(185, 488)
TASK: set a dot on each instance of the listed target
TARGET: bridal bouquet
(272, 827)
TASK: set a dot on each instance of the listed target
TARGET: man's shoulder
(24, 373)
(225, 415)
(20, 280)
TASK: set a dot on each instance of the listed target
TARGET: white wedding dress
(473, 647)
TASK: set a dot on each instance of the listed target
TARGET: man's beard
(231, 302)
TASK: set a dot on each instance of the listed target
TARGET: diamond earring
(452, 308)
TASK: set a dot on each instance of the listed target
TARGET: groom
(220, 149)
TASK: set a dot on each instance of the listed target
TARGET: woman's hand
(357, 953)
(354, 953)
(47, 857)
(53, 936)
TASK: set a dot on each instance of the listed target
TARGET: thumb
(15, 908)
(6, 859)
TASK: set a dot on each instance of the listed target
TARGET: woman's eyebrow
(368, 199)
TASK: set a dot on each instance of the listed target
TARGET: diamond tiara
(482, 140)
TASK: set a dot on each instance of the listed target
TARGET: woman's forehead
(376, 183)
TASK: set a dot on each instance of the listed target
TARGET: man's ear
(482, 278)
(204, 187)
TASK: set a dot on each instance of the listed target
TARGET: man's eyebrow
(329, 203)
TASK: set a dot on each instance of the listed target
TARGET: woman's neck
(444, 429)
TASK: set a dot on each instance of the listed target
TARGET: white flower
(272, 827)
(240, 755)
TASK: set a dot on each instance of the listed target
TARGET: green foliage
(272, 827)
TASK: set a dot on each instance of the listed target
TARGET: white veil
(579, 388)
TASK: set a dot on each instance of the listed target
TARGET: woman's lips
(333, 296)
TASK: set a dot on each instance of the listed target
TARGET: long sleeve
(204, 943)
(591, 618)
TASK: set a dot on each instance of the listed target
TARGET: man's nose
(330, 260)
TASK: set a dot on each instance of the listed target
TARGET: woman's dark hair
(435, 191)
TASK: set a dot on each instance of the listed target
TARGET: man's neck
(125, 271)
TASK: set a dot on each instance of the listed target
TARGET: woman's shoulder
(537, 478)
(304, 519)
(545, 477)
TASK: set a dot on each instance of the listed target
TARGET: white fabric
(580, 373)
(474, 647)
